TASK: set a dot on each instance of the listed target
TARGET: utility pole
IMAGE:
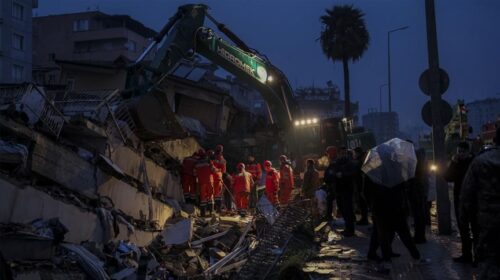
(438, 145)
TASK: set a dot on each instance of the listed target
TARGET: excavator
(182, 37)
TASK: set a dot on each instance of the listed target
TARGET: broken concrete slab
(86, 134)
(180, 148)
(179, 232)
(122, 194)
(24, 246)
(83, 225)
(209, 238)
(63, 166)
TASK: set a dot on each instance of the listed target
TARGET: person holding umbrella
(389, 166)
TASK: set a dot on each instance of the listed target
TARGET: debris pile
(83, 197)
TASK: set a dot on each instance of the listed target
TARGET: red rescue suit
(286, 183)
(188, 178)
(241, 189)
(203, 171)
(220, 168)
(254, 169)
(272, 185)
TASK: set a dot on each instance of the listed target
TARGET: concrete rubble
(85, 198)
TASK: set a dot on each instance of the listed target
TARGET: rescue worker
(331, 153)
(220, 169)
(203, 171)
(480, 200)
(455, 173)
(311, 180)
(221, 179)
(343, 181)
(255, 169)
(272, 182)
(242, 182)
(188, 178)
(286, 180)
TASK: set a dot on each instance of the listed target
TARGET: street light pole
(380, 100)
(389, 61)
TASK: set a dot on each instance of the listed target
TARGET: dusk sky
(286, 31)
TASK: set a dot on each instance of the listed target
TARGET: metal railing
(25, 97)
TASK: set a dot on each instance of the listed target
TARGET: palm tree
(344, 37)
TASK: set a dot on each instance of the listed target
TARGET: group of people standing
(206, 182)
(351, 189)
(476, 196)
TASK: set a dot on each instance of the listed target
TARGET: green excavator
(181, 38)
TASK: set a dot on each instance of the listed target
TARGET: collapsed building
(83, 196)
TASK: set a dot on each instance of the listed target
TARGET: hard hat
(240, 166)
(331, 151)
(219, 148)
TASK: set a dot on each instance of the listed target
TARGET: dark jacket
(347, 169)
(480, 199)
(456, 171)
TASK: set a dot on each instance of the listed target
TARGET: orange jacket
(286, 176)
(272, 180)
(203, 171)
(254, 169)
(188, 165)
(220, 162)
(242, 182)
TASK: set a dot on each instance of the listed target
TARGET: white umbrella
(391, 163)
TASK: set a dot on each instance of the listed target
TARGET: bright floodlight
(297, 123)
(315, 120)
(270, 78)
(302, 122)
(308, 121)
(433, 167)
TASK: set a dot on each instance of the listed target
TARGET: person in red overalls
(203, 171)
(242, 182)
(220, 168)
(272, 182)
(188, 178)
(286, 180)
(254, 168)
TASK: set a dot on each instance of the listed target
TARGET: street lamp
(380, 100)
(389, 61)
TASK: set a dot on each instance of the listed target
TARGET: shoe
(463, 259)
(363, 222)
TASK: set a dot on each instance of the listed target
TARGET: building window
(17, 41)
(81, 25)
(17, 11)
(17, 72)
(131, 46)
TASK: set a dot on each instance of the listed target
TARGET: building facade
(384, 125)
(90, 37)
(16, 41)
(481, 112)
